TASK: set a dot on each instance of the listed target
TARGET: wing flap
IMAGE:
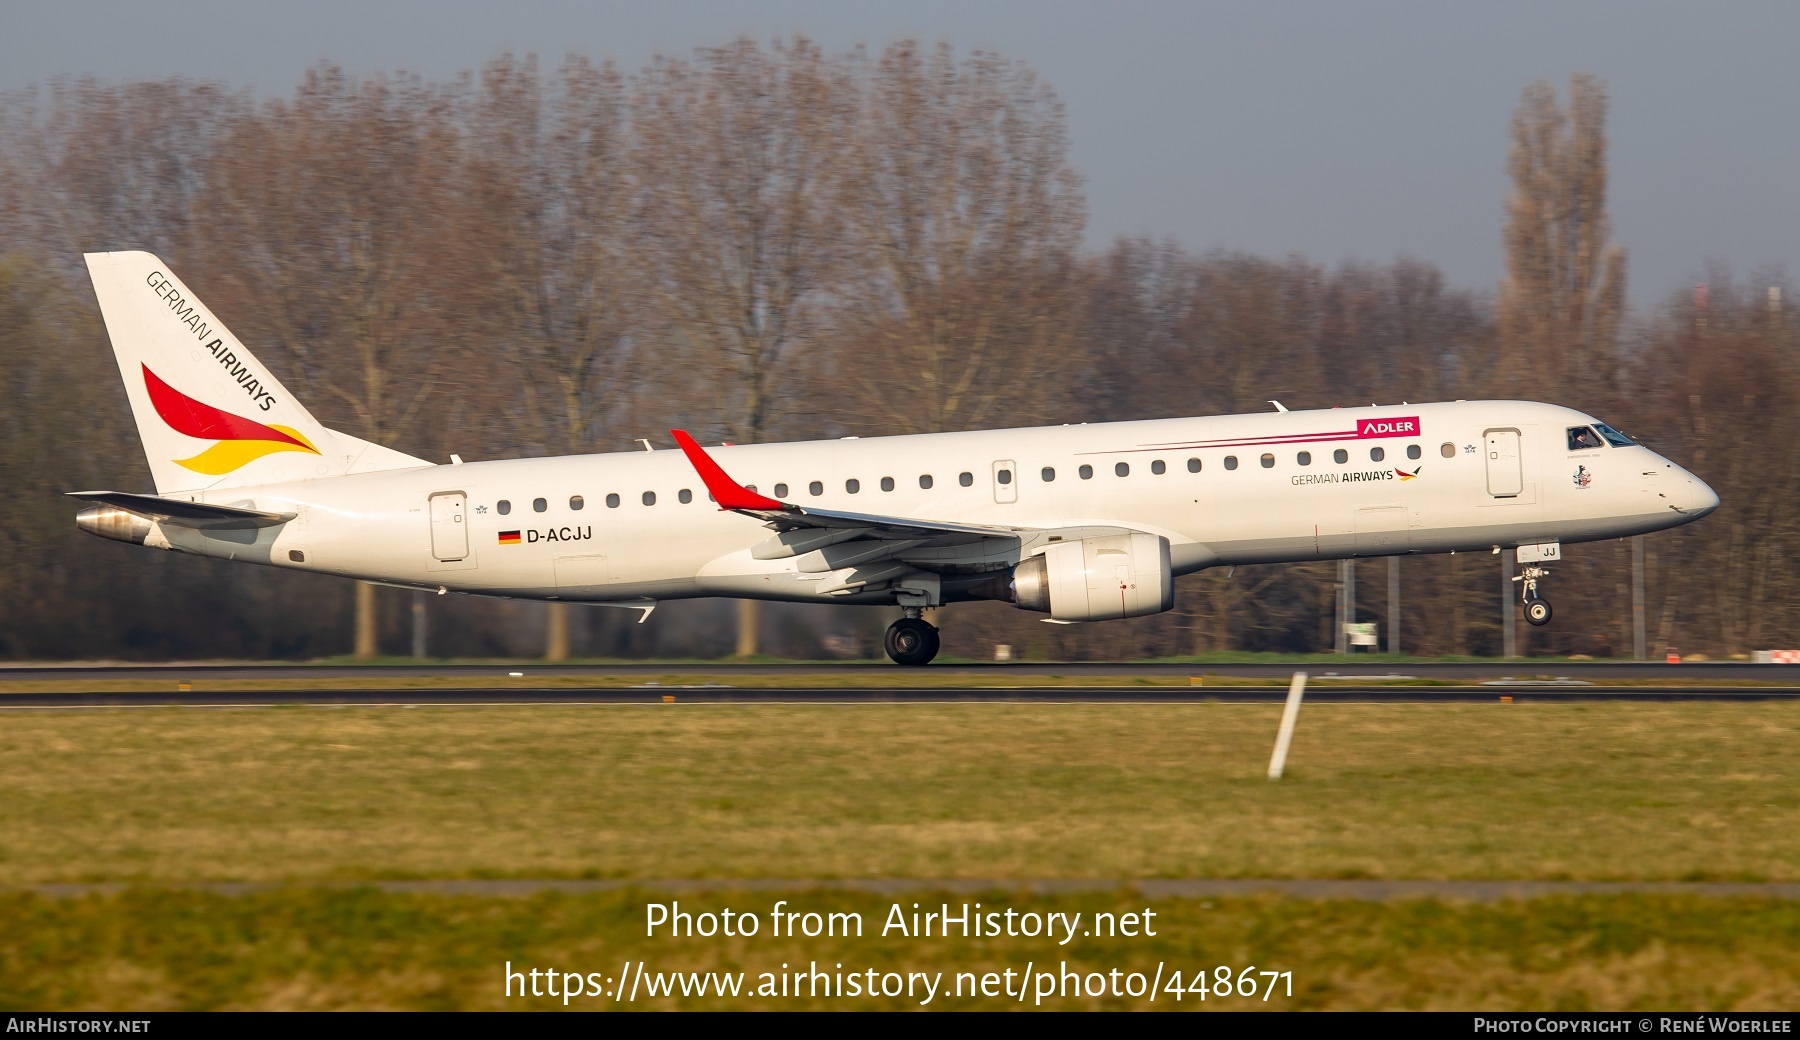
(791, 517)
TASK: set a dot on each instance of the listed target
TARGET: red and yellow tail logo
(241, 440)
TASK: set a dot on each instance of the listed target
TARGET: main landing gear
(1537, 610)
(912, 640)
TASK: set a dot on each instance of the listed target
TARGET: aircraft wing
(786, 516)
(855, 551)
(184, 514)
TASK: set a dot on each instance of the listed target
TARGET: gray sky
(1335, 130)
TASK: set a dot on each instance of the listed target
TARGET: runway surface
(1468, 671)
(724, 694)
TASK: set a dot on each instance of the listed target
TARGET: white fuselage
(1456, 476)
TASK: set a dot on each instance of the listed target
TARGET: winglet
(725, 491)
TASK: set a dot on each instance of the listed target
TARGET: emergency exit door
(1505, 473)
(449, 527)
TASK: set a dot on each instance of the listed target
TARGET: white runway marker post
(1289, 714)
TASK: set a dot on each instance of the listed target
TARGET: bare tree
(1716, 383)
(965, 220)
(735, 236)
(110, 166)
(1564, 292)
(337, 211)
(547, 164)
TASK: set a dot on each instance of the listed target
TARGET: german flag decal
(509, 538)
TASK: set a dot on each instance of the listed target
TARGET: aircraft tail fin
(209, 413)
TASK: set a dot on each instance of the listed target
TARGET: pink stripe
(1366, 429)
(1285, 437)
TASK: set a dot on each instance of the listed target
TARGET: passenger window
(1121, 469)
(1268, 461)
(925, 481)
(815, 489)
(853, 485)
(1049, 474)
(1377, 454)
(781, 490)
(1004, 476)
(1340, 456)
(1231, 462)
(1087, 472)
(503, 507)
(650, 497)
(612, 501)
(887, 483)
(538, 505)
(965, 478)
(575, 502)
(1412, 451)
(1158, 468)
(1193, 465)
(684, 496)
(1304, 458)
(1447, 450)
(1583, 439)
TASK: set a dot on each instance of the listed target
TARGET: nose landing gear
(1537, 610)
(912, 640)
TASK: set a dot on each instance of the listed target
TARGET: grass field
(1680, 791)
(313, 948)
(165, 798)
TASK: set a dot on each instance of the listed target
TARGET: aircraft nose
(1701, 498)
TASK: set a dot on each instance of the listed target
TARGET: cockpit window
(1614, 437)
(1583, 439)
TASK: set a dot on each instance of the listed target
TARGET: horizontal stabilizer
(185, 514)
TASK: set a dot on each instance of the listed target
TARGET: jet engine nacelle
(1097, 579)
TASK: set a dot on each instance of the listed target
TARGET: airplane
(1082, 523)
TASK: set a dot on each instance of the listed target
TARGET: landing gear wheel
(1537, 611)
(912, 641)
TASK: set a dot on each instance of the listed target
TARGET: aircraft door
(1505, 476)
(1006, 481)
(449, 525)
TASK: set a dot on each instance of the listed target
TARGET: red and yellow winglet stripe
(240, 440)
